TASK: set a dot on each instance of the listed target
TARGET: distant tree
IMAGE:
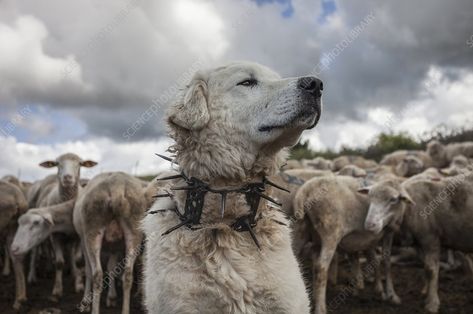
(301, 151)
(387, 143)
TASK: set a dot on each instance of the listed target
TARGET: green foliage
(146, 178)
(386, 143)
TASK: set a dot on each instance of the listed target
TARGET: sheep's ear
(191, 113)
(406, 198)
(49, 164)
(445, 171)
(364, 190)
(48, 218)
(88, 163)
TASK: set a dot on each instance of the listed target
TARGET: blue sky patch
(288, 9)
(328, 8)
(40, 124)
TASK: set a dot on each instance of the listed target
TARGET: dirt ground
(456, 295)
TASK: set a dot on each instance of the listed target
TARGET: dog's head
(249, 105)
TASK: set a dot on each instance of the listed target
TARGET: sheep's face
(460, 162)
(386, 206)
(32, 230)
(436, 151)
(68, 166)
(409, 166)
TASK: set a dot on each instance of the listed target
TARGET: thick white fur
(217, 129)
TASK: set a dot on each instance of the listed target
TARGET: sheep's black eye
(394, 200)
(35, 223)
(248, 82)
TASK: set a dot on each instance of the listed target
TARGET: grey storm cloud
(108, 62)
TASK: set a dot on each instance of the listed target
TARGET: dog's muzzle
(311, 88)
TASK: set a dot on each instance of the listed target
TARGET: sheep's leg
(59, 264)
(111, 300)
(357, 272)
(320, 269)
(93, 247)
(451, 259)
(20, 285)
(77, 274)
(431, 263)
(6, 262)
(32, 278)
(20, 291)
(133, 249)
(467, 264)
(84, 305)
(374, 263)
(390, 292)
(333, 270)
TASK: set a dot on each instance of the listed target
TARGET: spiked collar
(195, 196)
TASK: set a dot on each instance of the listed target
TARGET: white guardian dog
(215, 243)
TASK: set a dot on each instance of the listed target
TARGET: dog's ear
(191, 112)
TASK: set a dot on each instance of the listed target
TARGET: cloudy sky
(77, 76)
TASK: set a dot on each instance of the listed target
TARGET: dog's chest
(236, 280)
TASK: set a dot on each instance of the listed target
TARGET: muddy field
(456, 294)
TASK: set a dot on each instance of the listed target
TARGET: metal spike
(182, 188)
(279, 222)
(276, 186)
(177, 176)
(177, 212)
(252, 234)
(185, 222)
(269, 199)
(162, 195)
(165, 157)
(222, 206)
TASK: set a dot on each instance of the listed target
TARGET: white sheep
(342, 161)
(12, 204)
(337, 212)
(108, 210)
(438, 214)
(409, 166)
(318, 163)
(53, 190)
(442, 154)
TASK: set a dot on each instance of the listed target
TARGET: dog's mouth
(306, 115)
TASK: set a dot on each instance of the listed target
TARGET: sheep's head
(460, 164)
(320, 163)
(409, 166)
(352, 171)
(436, 151)
(33, 229)
(68, 168)
(387, 205)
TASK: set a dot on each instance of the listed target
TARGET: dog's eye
(248, 82)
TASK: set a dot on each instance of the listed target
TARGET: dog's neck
(219, 158)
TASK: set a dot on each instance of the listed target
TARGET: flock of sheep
(346, 205)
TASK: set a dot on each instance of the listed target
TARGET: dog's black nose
(310, 84)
